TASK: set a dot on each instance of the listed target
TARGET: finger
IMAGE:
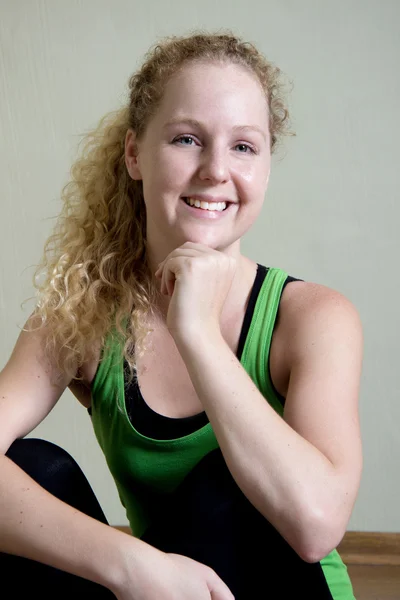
(223, 593)
(181, 252)
(219, 590)
(170, 282)
(162, 276)
(199, 247)
(188, 253)
(172, 267)
(168, 278)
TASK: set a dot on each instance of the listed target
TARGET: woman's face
(209, 138)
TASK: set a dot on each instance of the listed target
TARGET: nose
(214, 165)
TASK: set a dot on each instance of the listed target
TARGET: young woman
(224, 394)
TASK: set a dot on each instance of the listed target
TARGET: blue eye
(189, 137)
(184, 137)
(246, 146)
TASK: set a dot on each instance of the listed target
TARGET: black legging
(207, 518)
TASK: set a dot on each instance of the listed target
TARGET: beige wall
(332, 211)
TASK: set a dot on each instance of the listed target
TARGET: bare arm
(37, 525)
(33, 523)
(302, 471)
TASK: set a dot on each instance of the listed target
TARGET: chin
(202, 239)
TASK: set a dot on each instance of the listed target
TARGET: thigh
(31, 579)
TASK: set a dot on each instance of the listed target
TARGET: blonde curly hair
(96, 275)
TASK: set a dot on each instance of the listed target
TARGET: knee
(41, 459)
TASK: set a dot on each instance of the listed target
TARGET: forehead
(220, 89)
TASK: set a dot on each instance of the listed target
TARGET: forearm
(284, 476)
(36, 525)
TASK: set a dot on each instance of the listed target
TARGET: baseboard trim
(123, 528)
(370, 548)
(359, 547)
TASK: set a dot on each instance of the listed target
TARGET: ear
(132, 155)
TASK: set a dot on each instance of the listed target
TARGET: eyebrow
(196, 123)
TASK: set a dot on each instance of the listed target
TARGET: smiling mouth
(217, 205)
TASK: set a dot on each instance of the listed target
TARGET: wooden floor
(375, 582)
(373, 563)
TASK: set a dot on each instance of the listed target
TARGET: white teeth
(219, 206)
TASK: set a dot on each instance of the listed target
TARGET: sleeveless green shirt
(144, 468)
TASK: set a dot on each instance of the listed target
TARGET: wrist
(120, 555)
(132, 558)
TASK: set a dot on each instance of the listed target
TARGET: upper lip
(208, 198)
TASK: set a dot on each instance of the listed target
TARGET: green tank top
(144, 468)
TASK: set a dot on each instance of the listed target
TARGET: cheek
(162, 182)
(247, 175)
(169, 169)
(159, 177)
(253, 190)
(253, 176)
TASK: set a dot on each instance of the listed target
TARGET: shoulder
(310, 312)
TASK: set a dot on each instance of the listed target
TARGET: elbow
(320, 536)
(315, 552)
